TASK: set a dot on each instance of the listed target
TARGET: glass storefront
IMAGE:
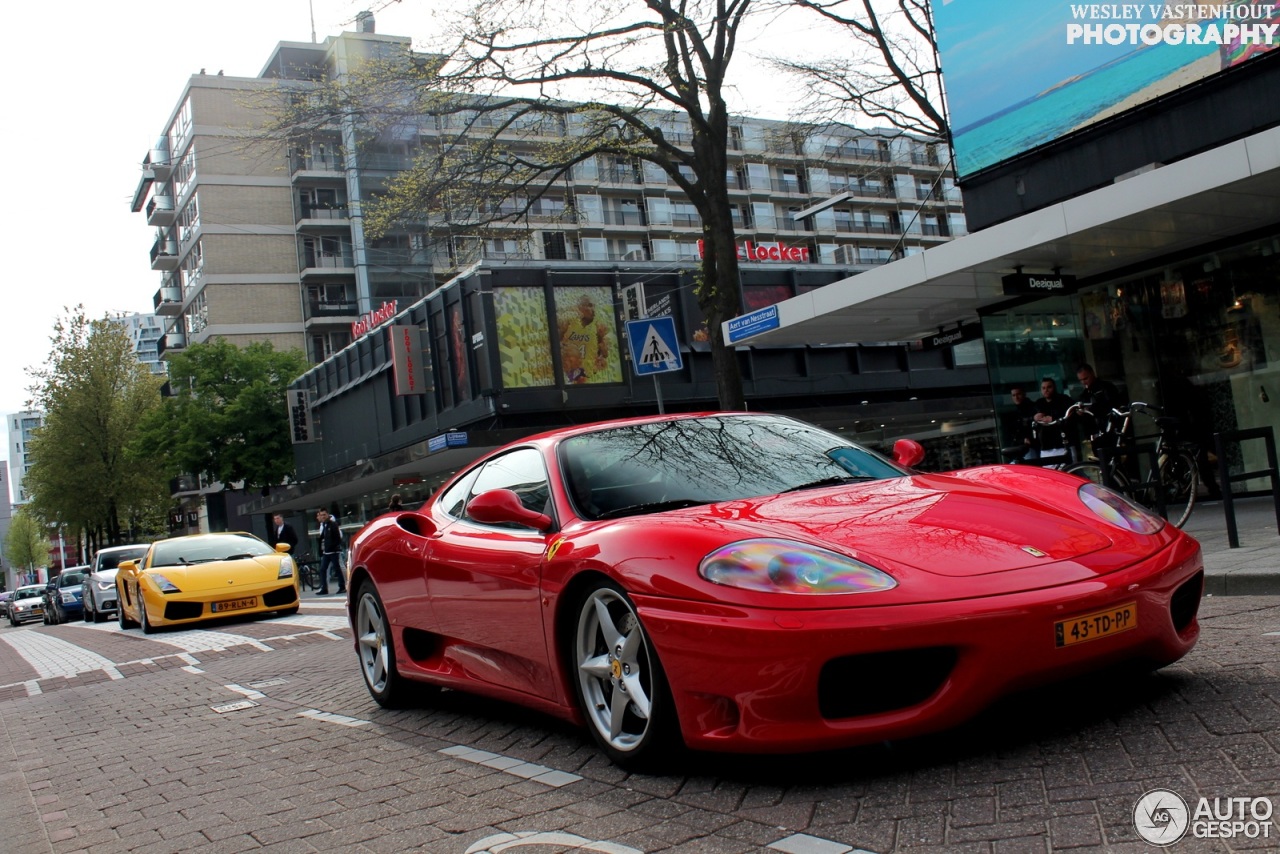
(1199, 338)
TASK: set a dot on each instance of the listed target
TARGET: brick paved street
(110, 742)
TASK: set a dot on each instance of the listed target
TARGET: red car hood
(938, 524)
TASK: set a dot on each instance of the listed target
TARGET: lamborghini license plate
(1099, 624)
(234, 605)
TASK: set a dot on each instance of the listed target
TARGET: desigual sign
(748, 251)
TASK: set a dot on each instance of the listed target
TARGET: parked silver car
(27, 604)
(100, 590)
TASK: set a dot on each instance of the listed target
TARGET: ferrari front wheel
(620, 685)
(376, 648)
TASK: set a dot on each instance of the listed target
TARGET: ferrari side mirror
(502, 505)
(908, 452)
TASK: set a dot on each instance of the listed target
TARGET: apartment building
(145, 330)
(261, 241)
(22, 426)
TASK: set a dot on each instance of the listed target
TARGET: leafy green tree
(226, 417)
(506, 88)
(83, 475)
(26, 545)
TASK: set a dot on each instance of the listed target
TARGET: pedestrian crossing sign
(654, 349)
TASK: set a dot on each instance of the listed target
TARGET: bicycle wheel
(1179, 481)
(307, 577)
(1091, 470)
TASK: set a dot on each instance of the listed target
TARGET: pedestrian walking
(396, 504)
(330, 548)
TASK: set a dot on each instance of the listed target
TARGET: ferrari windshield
(662, 465)
(204, 549)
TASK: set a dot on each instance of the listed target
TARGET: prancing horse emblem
(1034, 552)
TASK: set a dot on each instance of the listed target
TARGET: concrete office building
(22, 425)
(272, 247)
(257, 242)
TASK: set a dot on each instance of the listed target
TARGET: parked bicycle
(1166, 482)
(308, 572)
(1168, 487)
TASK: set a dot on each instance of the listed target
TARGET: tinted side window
(455, 497)
(523, 472)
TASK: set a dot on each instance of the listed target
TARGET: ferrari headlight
(784, 566)
(165, 585)
(286, 567)
(1113, 507)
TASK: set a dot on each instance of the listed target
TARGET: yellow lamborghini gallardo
(204, 577)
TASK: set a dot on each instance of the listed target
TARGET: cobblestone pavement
(260, 736)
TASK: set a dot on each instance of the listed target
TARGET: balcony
(321, 309)
(859, 227)
(621, 217)
(620, 175)
(315, 161)
(313, 261)
(399, 257)
(160, 210)
(168, 301)
(175, 340)
(684, 220)
(318, 217)
(164, 253)
(158, 160)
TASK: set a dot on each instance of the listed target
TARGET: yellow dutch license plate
(234, 605)
(1100, 624)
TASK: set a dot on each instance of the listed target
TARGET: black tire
(147, 628)
(619, 683)
(376, 649)
(98, 616)
(125, 622)
(85, 614)
(287, 612)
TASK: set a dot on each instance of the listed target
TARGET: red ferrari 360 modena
(748, 582)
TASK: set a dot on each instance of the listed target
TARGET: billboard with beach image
(1019, 75)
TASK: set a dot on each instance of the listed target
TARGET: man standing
(330, 546)
(1099, 397)
(282, 532)
(1019, 424)
(1056, 439)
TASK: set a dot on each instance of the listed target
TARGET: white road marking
(52, 656)
(501, 842)
(508, 765)
(330, 717)
(248, 692)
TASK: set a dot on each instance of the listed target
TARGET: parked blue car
(63, 595)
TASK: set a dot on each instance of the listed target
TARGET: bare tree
(527, 92)
(890, 75)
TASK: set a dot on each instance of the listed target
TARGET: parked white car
(27, 604)
(100, 590)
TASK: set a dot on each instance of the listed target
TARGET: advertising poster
(458, 353)
(524, 337)
(587, 335)
(1019, 75)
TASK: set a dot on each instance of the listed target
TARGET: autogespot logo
(1161, 817)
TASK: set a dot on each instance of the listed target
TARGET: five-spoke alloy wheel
(620, 683)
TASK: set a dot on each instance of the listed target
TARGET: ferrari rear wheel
(376, 648)
(621, 688)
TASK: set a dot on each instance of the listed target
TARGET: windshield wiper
(238, 557)
(651, 507)
(830, 481)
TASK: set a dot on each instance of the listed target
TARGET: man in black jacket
(282, 532)
(330, 547)
(1099, 397)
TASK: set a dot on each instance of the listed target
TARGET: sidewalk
(1252, 569)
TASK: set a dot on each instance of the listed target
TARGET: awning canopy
(1227, 191)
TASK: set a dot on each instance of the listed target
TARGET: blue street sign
(753, 323)
(654, 348)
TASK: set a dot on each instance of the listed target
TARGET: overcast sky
(90, 88)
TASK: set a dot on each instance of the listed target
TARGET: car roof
(577, 430)
(112, 549)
